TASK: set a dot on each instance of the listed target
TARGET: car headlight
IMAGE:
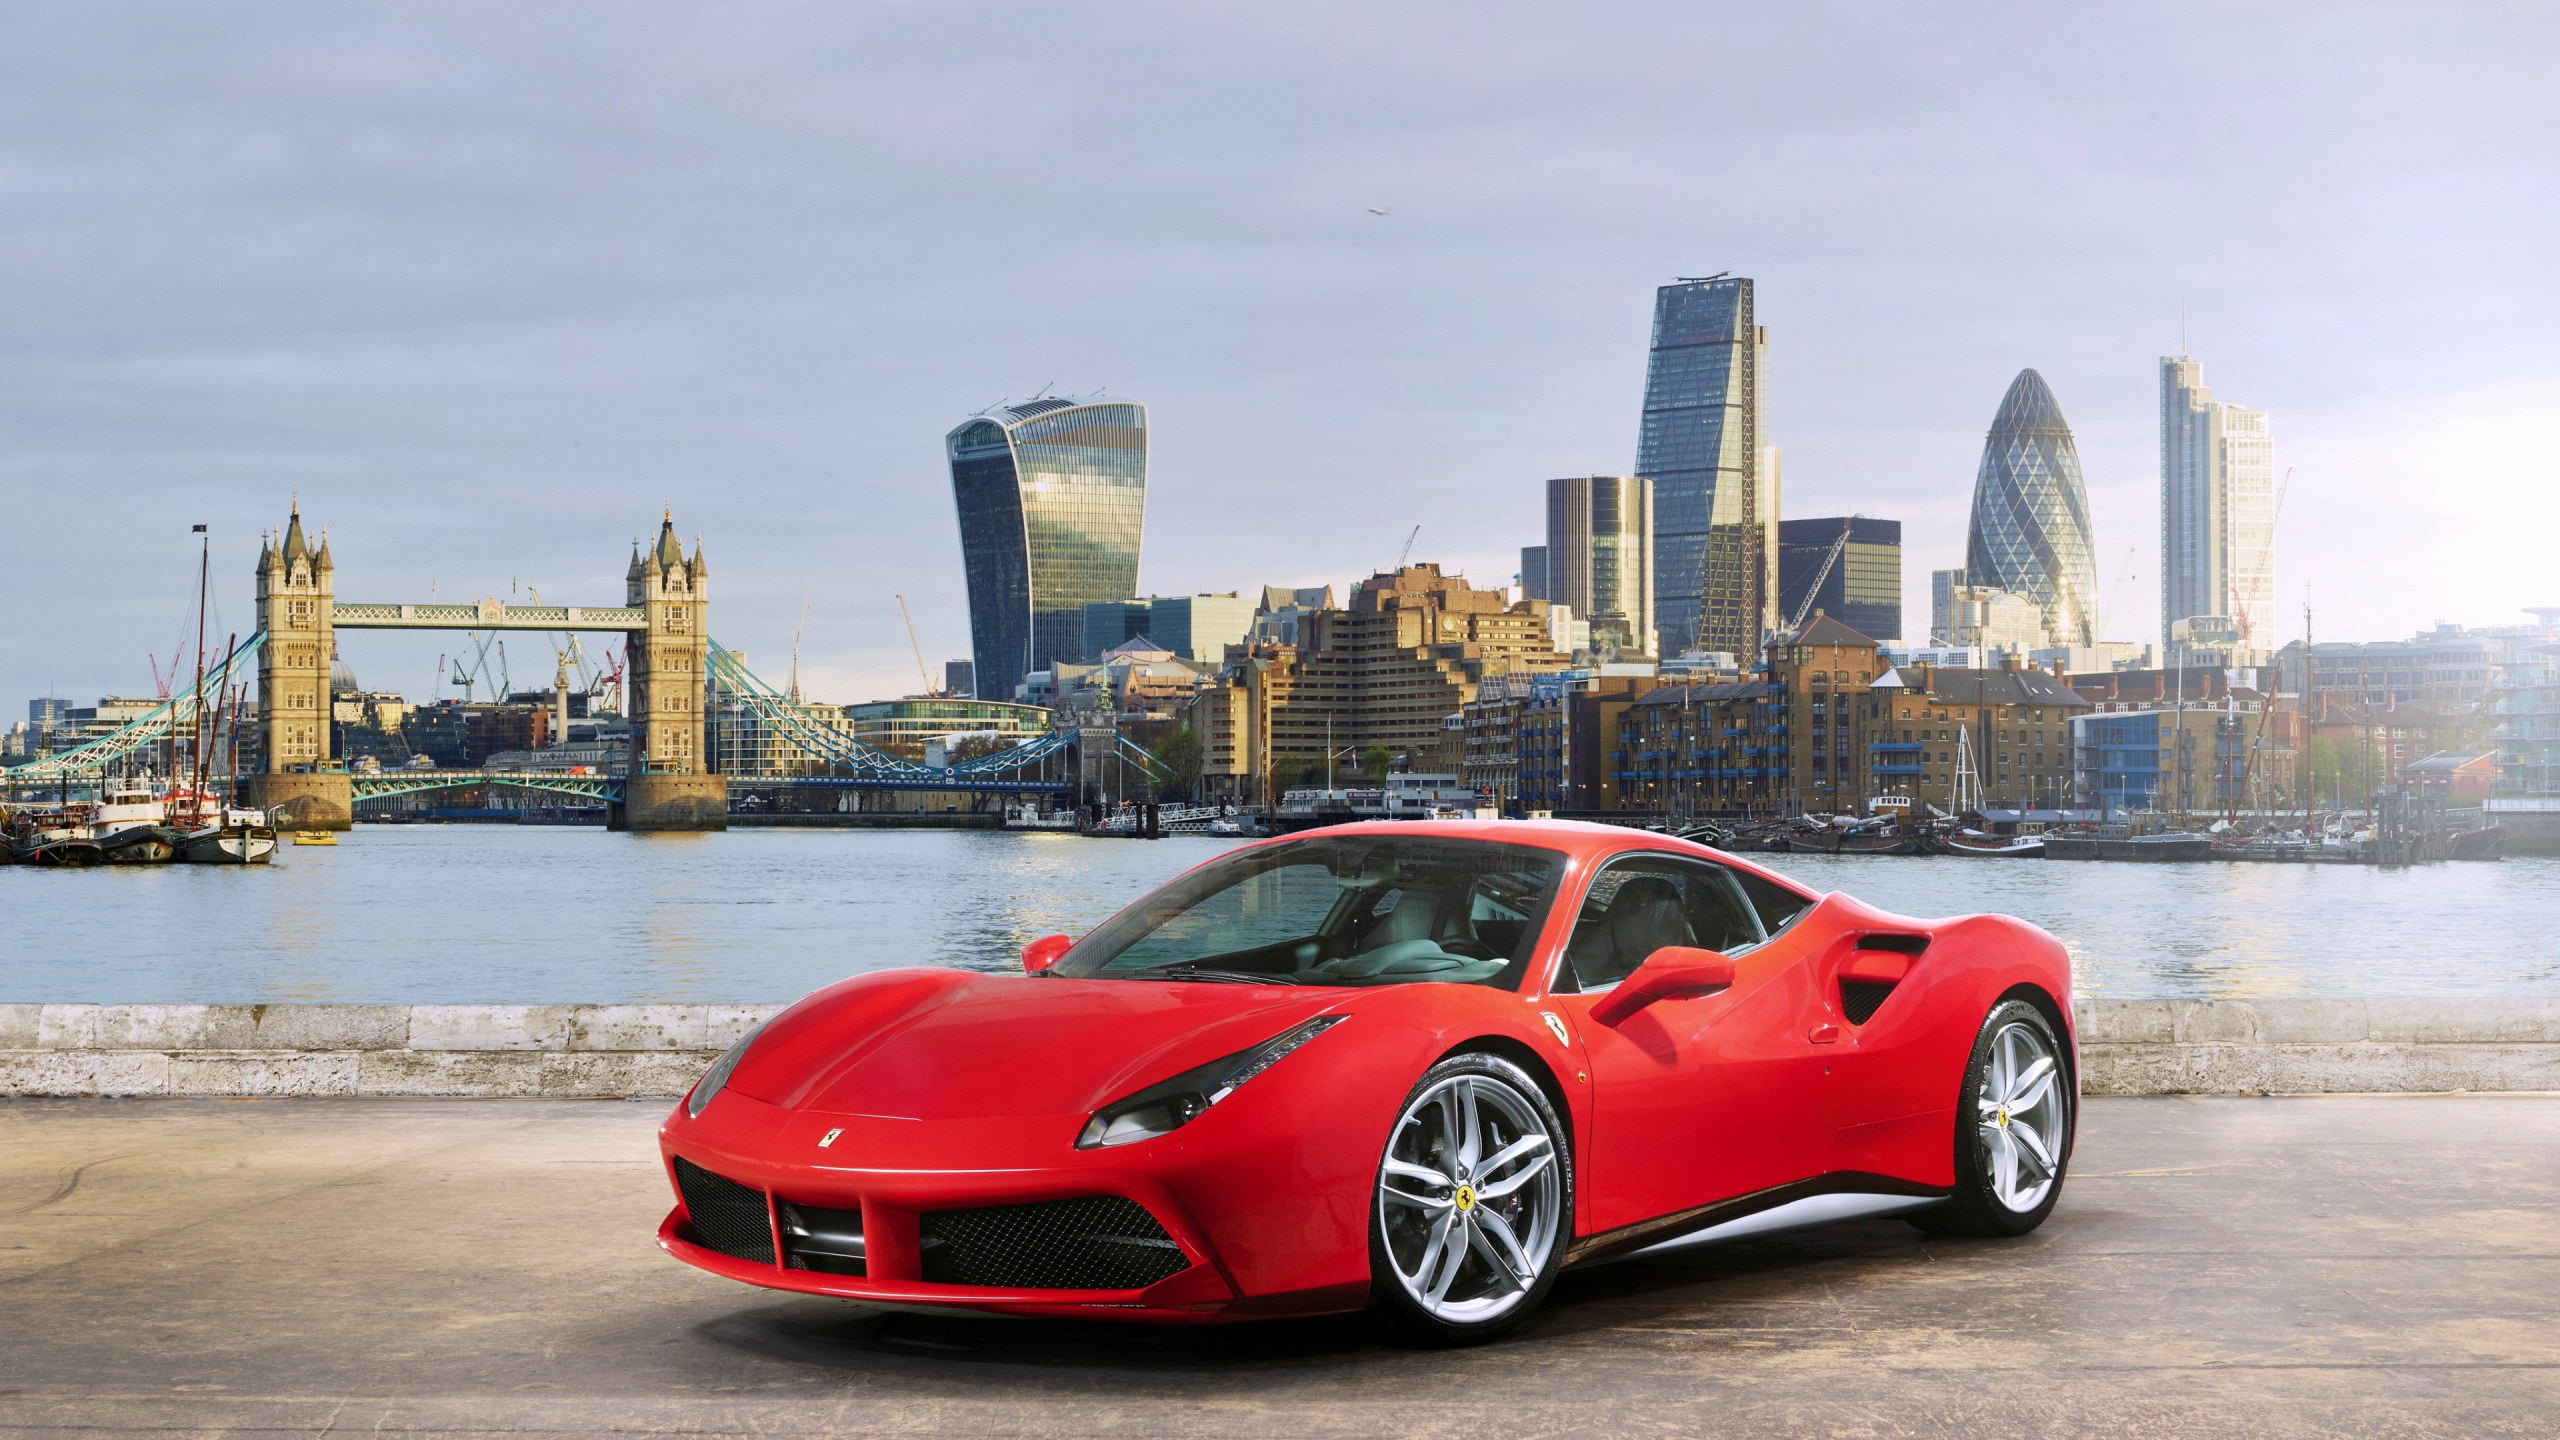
(718, 1075)
(1168, 1105)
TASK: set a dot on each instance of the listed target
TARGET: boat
(131, 828)
(2487, 843)
(2112, 843)
(1996, 847)
(242, 838)
(1837, 843)
(314, 837)
(59, 838)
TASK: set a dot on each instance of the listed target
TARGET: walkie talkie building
(1052, 497)
(2030, 532)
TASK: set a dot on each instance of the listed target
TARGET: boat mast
(195, 714)
(213, 732)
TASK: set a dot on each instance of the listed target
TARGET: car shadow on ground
(841, 1337)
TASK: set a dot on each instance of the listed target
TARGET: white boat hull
(235, 846)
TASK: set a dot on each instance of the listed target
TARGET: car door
(1695, 1100)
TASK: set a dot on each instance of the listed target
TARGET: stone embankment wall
(2128, 1047)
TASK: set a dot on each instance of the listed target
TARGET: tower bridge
(674, 674)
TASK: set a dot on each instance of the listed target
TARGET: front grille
(1097, 1243)
(725, 1215)
(1859, 998)
(816, 1239)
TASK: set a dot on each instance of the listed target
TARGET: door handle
(1824, 1033)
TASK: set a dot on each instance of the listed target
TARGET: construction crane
(1407, 552)
(2124, 574)
(1804, 608)
(930, 690)
(470, 677)
(609, 682)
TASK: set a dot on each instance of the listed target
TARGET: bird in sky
(1375, 210)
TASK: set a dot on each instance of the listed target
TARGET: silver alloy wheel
(2021, 1116)
(1469, 1198)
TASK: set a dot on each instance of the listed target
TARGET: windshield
(1341, 910)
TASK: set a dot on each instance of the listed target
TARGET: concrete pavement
(2217, 1266)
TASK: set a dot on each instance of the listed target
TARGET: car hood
(951, 1044)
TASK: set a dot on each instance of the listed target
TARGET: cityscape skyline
(737, 276)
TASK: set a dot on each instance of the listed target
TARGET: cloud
(489, 286)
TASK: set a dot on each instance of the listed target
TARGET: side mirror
(1042, 953)
(1674, 972)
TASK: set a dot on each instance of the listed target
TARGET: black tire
(1497, 1085)
(1979, 1206)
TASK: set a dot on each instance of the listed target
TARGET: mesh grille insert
(1859, 998)
(725, 1215)
(1097, 1243)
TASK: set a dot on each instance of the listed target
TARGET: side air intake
(1873, 969)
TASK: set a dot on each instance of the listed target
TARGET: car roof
(1580, 839)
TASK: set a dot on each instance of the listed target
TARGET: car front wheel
(1474, 1204)
(2013, 1128)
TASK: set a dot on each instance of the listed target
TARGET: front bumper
(908, 1181)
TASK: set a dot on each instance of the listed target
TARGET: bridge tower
(670, 785)
(296, 587)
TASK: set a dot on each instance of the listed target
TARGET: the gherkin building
(2030, 532)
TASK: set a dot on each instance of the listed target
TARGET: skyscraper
(1533, 573)
(1942, 612)
(2217, 507)
(2030, 531)
(1862, 589)
(1701, 445)
(1600, 556)
(1052, 496)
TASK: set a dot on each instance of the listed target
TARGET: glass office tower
(1701, 446)
(1052, 496)
(1861, 587)
(2217, 507)
(2030, 532)
(1600, 559)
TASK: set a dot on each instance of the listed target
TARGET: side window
(1638, 904)
(1777, 905)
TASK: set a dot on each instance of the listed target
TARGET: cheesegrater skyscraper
(1714, 510)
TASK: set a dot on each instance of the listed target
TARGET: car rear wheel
(2013, 1128)
(1474, 1204)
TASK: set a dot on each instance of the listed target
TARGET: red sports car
(1418, 1067)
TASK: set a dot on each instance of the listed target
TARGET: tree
(2316, 766)
(1179, 750)
(975, 747)
(1374, 762)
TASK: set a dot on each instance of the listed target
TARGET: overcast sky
(489, 285)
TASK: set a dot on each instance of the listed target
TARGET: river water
(497, 914)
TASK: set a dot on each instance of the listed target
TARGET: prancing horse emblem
(829, 1138)
(1555, 1022)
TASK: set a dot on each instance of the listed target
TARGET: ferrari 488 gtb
(1420, 1068)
